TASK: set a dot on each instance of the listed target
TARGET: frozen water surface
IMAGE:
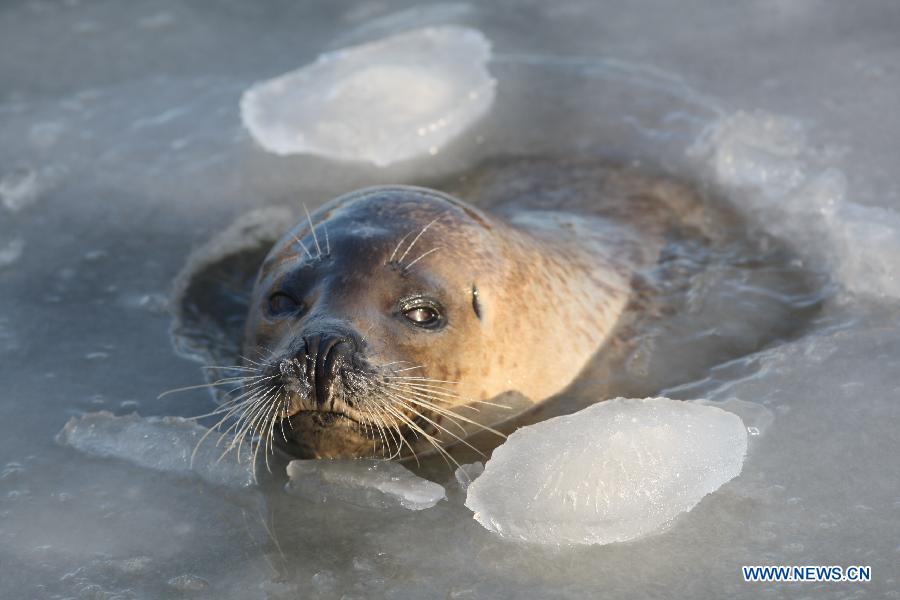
(382, 102)
(613, 472)
(375, 483)
(122, 152)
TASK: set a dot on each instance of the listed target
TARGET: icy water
(121, 153)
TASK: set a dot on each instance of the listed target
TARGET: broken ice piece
(615, 471)
(368, 483)
(159, 443)
(466, 474)
(385, 101)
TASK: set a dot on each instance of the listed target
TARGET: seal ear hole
(476, 305)
(283, 304)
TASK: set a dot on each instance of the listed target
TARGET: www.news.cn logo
(788, 573)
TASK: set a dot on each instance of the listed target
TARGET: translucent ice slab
(612, 472)
(159, 443)
(370, 483)
(382, 102)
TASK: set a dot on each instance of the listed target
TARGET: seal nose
(324, 353)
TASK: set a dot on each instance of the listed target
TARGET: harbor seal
(397, 319)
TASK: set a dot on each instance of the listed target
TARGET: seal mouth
(323, 434)
(325, 418)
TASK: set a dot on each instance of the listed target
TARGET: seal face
(390, 320)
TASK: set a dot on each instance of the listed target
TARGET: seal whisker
(228, 415)
(386, 431)
(398, 362)
(368, 421)
(451, 394)
(265, 357)
(250, 390)
(241, 409)
(417, 378)
(284, 413)
(393, 429)
(380, 423)
(218, 382)
(429, 393)
(266, 429)
(265, 434)
(416, 239)
(261, 365)
(244, 411)
(399, 416)
(453, 416)
(232, 368)
(252, 421)
(408, 368)
(399, 420)
(235, 404)
(209, 431)
(425, 404)
(373, 424)
(437, 425)
(433, 441)
(312, 230)
(397, 249)
(203, 438)
(382, 408)
(409, 266)
(302, 245)
(444, 429)
(279, 402)
(232, 403)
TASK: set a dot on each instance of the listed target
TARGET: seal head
(391, 320)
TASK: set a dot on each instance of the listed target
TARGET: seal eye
(281, 303)
(422, 312)
(421, 316)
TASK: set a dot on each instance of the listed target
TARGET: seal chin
(323, 434)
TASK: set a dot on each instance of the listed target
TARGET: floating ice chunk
(615, 471)
(466, 474)
(381, 102)
(158, 443)
(369, 483)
